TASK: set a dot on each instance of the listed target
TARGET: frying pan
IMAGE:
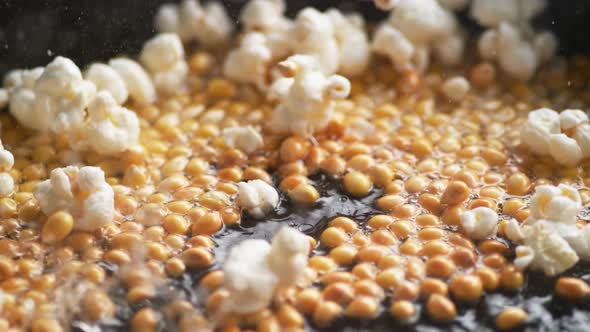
(32, 32)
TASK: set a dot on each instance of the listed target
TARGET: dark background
(32, 32)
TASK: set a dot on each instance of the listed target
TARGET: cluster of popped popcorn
(306, 96)
(58, 99)
(6, 180)
(246, 138)
(564, 136)
(414, 30)
(83, 192)
(163, 56)
(510, 39)
(257, 197)
(208, 24)
(550, 238)
(255, 270)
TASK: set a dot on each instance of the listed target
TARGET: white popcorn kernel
(490, 13)
(313, 34)
(569, 119)
(386, 4)
(111, 128)
(538, 128)
(248, 278)
(519, 61)
(163, 56)
(454, 4)
(455, 88)
(565, 150)
(513, 231)
(215, 26)
(63, 94)
(353, 43)
(6, 184)
(449, 50)
(545, 45)
(306, 97)
(81, 191)
(257, 197)
(524, 257)
(106, 78)
(389, 42)
(561, 203)
(487, 44)
(249, 63)
(552, 254)
(139, 84)
(480, 223)
(423, 21)
(6, 159)
(246, 139)
(288, 256)
(190, 13)
(582, 136)
(168, 20)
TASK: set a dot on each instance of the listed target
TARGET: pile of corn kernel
(433, 154)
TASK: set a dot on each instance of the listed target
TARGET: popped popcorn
(83, 192)
(565, 136)
(250, 61)
(414, 30)
(111, 128)
(313, 34)
(455, 88)
(267, 17)
(257, 197)
(305, 96)
(163, 56)
(551, 240)
(248, 277)
(288, 256)
(209, 24)
(246, 139)
(480, 223)
(353, 44)
(140, 86)
(6, 163)
(490, 13)
(255, 270)
(106, 78)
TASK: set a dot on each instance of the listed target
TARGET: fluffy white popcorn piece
(535, 133)
(167, 19)
(6, 184)
(61, 95)
(163, 56)
(569, 119)
(422, 21)
(480, 223)
(288, 256)
(111, 128)
(487, 44)
(246, 139)
(582, 136)
(519, 61)
(524, 257)
(490, 13)
(250, 61)
(353, 42)
(531, 8)
(313, 34)
(550, 252)
(6, 159)
(389, 42)
(83, 192)
(565, 150)
(267, 17)
(215, 25)
(545, 45)
(449, 49)
(106, 78)
(140, 86)
(561, 203)
(248, 277)
(455, 88)
(513, 232)
(306, 96)
(257, 197)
